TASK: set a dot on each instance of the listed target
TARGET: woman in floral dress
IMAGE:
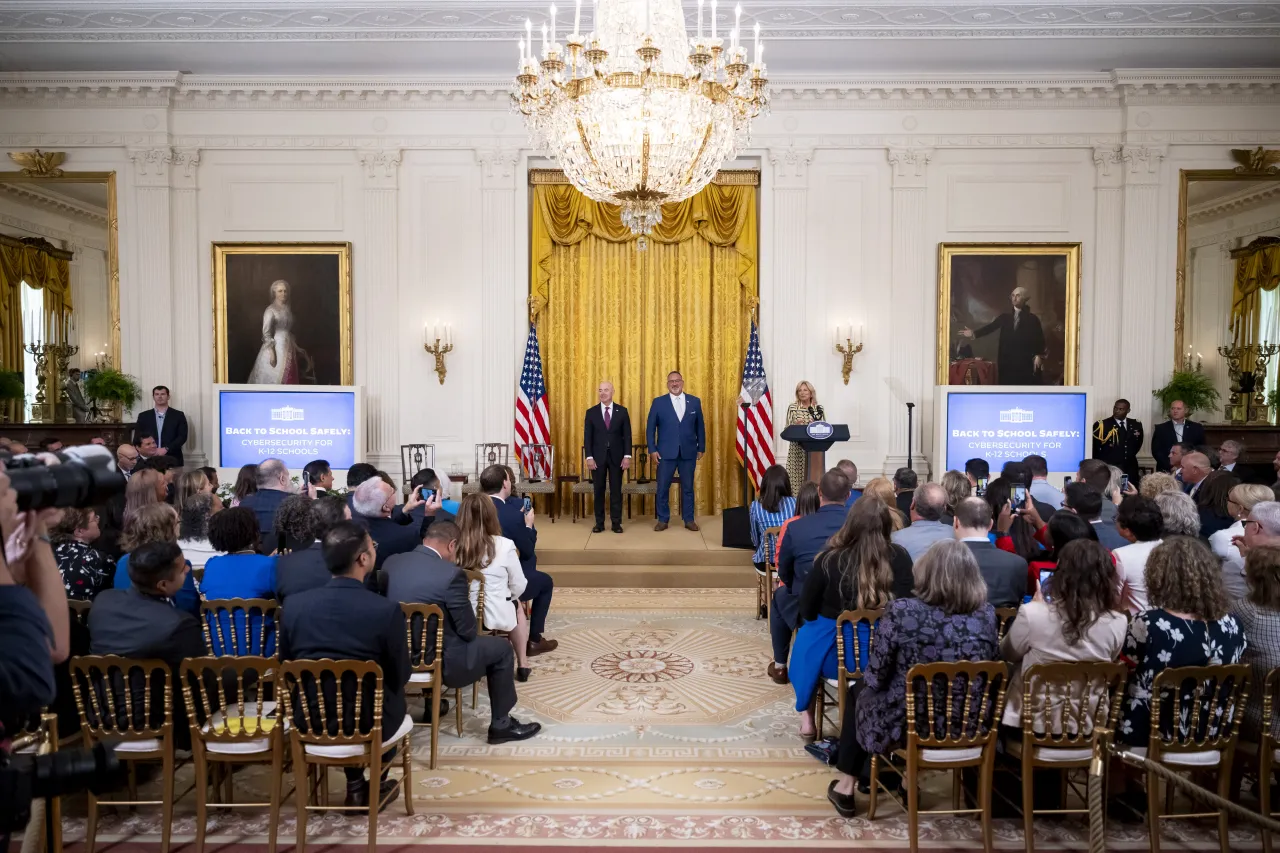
(805, 410)
(1188, 624)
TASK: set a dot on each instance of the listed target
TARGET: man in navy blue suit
(806, 537)
(677, 438)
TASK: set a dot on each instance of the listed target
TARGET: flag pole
(746, 471)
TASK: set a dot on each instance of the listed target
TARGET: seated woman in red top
(1011, 532)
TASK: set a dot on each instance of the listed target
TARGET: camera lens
(86, 477)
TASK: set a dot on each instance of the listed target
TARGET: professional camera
(86, 476)
(24, 778)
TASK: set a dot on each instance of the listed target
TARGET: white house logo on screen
(819, 430)
(1017, 416)
(287, 413)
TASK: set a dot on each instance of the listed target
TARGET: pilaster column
(1100, 339)
(910, 367)
(501, 292)
(1141, 364)
(377, 304)
(188, 330)
(783, 341)
(147, 333)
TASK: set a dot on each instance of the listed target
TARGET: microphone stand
(910, 406)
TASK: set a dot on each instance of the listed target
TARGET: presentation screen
(1004, 427)
(293, 426)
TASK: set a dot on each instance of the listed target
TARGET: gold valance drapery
(607, 311)
(1257, 269)
(43, 267)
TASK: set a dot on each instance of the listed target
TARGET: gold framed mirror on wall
(1227, 315)
(59, 279)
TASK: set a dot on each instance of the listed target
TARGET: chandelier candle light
(637, 113)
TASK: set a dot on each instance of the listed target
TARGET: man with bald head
(927, 507)
(1195, 468)
(1020, 352)
(126, 459)
(606, 439)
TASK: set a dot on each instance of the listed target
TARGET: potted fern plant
(12, 388)
(1193, 387)
(118, 390)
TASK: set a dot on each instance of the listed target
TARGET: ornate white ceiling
(477, 37)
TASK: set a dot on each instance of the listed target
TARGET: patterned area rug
(660, 729)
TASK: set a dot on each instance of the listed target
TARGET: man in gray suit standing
(427, 575)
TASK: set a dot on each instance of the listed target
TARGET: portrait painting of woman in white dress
(283, 313)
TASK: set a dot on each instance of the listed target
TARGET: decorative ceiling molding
(1233, 234)
(43, 197)
(1256, 195)
(478, 20)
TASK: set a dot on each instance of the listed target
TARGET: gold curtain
(605, 310)
(43, 267)
(1257, 269)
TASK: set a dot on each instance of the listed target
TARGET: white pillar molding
(147, 334)
(1141, 367)
(910, 367)
(785, 341)
(188, 329)
(1100, 339)
(377, 307)
(502, 290)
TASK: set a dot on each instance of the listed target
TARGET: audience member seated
(1018, 473)
(110, 526)
(977, 469)
(1240, 502)
(292, 526)
(949, 620)
(1195, 470)
(1064, 527)
(1087, 502)
(927, 507)
(496, 481)
(246, 484)
(167, 467)
(1179, 514)
(1188, 625)
(850, 470)
(144, 487)
(357, 474)
(157, 522)
(905, 482)
(807, 503)
(1153, 484)
(1041, 489)
(86, 571)
(1005, 574)
(1141, 523)
(427, 479)
(193, 529)
(1213, 502)
(483, 548)
(211, 474)
(1259, 616)
(1074, 617)
(304, 568)
(429, 575)
(372, 505)
(1012, 531)
(806, 537)
(126, 459)
(860, 569)
(140, 620)
(957, 487)
(189, 483)
(147, 447)
(882, 489)
(1096, 473)
(343, 620)
(772, 506)
(317, 477)
(273, 487)
(241, 572)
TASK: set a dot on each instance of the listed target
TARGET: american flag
(755, 423)
(533, 423)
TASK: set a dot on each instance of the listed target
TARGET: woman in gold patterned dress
(804, 410)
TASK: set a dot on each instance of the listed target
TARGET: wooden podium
(816, 439)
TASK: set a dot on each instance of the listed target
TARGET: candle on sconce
(713, 20)
(577, 18)
(546, 45)
(448, 334)
(553, 23)
(737, 23)
(528, 35)
(759, 46)
(700, 2)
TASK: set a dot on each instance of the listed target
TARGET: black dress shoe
(599, 528)
(358, 794)
(514, 730)
(426, 711)
(845, 804)
(523, 673)
(617, 528)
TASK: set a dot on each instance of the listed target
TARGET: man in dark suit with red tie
(606, 437)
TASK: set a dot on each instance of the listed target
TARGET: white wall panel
(275, 204)
(989, 203)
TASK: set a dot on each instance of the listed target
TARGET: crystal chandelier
(637, 113)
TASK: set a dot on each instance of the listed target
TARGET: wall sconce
(438, 340)
(846, 347)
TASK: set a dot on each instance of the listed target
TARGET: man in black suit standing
(343, 620)
(167, 426)
(1117, 440)
(427, 575)
(606, 435)
(1177, 430)
(1020, 353)
(1005, 573)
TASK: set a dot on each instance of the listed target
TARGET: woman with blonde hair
(483, 548)
(804, 410)
(957, 487)
(882, 489)
(192, 481)
(1240, 500)
(145, 487)
(1153, 484)
(155, 522)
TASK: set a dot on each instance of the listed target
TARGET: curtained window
(1269, 330)
(32, 318)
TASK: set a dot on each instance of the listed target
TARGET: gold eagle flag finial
(1256, 161)
(39, 164)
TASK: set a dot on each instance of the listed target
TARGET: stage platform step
(568, 544)
(652, 577)
(642, 557)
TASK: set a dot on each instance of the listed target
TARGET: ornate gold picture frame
(986, 335)
(282, 314)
